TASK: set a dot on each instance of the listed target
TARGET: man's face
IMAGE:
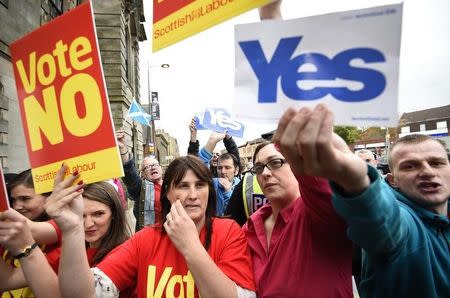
(422, 172)
(151, 169)
(226, 169)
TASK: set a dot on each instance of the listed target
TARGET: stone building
(166, 147)
(119, 31)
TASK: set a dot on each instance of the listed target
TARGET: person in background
(228, 167)
(145, 189)
(403, 227)
(367, 156)
(206, 256)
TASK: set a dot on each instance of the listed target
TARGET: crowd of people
(309, 218)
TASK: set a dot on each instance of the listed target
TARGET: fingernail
(80, 187)
(80, 182)
(63, 164)
(75, 173)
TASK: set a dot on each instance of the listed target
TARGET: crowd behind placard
(308, 218)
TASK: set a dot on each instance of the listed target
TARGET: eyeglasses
(153, 165)
(271, 165)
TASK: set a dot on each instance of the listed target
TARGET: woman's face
(97, 220)
(193, 195)
(27, 202)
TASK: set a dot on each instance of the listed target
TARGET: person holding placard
(191, 254)
(105, 228)
(402, 227)
(31, 207)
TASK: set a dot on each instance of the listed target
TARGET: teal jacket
(406, 248)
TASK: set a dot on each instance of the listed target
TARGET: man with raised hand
(404, 229)
(144, 189)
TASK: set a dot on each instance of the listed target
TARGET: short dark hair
(174, 174)
(228, 155)
(25, 178)
(411, 139)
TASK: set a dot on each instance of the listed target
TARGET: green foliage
(349, 134)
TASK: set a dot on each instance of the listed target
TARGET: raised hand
(181, 229)
(226, 184)
(214, 138)
(15, 234)
(65, 204)
(271, 11)
(121, 143)
(193, 130)
(307, 141)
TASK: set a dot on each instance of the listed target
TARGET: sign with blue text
(347, 60)
(219, 120)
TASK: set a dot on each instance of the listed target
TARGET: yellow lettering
(170, 290)
(151, 281)
(43, 119)
(59, 52)
(190, 285)
(29, 83)
(43, 79)
(87, 86)
(79, 47)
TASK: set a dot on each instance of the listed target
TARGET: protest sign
(175, 20)
(346, 60)
(4, 202)
(63, 101)
(219, 120)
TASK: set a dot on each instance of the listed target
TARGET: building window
(50, 9)
(422, 127)
(405, 129)
(441, 124)
(4, 3)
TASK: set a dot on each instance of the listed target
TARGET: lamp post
(151, 138)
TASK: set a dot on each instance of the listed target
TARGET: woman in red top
(105, 228)
(30, 205)
(191, 254)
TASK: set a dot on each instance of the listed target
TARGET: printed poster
(4, 202)
(347, 60)
(175, 20)
(63, 100)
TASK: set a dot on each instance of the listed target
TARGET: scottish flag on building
(136, 112)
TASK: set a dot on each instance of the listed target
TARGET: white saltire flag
(136, 112)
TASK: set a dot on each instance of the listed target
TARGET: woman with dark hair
(105, 228)
(31, 206)
(191, 254)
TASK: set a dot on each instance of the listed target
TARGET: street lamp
(151, 138)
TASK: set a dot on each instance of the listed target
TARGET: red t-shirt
(309, 253)
(151, 259)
